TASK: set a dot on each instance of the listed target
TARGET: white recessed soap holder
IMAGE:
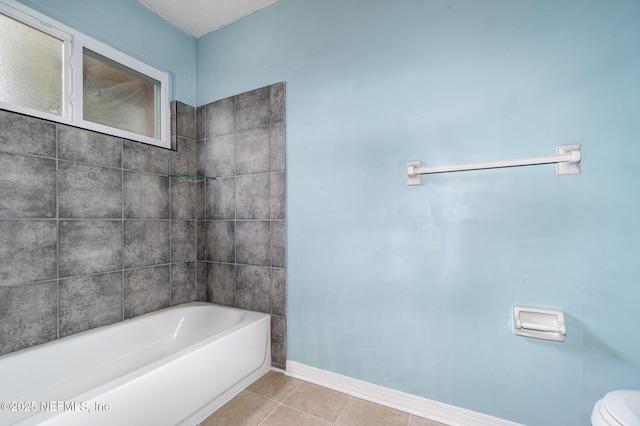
(539, 323)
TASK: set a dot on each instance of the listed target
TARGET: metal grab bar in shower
(567, 161)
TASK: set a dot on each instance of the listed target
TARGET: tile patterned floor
(279, 400)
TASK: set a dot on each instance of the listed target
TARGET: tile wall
(93, 230)
(241, 141)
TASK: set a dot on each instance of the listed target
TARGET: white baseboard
(418, 406)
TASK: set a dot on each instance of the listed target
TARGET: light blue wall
(134, 29)
(412, 287)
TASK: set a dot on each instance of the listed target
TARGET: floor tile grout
(282, 404)
(307, 414)
(279, 403)
(287, 406)
(343, 408)
(268, 415)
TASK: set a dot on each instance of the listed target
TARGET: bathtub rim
(99, 329)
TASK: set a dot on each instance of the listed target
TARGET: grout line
(307, 414)
(235, 204)
(246, 220)
(171, 225)
(32, 219)
(85, 219)
(343, 408)
(26, 154)
(269, 415)
(279, 403)
(123, 223)
(111, 271)
(351, 398)
(57, 237)
(205, 225)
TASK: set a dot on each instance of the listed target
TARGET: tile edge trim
(412, 404)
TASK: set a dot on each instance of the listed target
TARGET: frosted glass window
(120, 97)
(30, 67)
(54, 72)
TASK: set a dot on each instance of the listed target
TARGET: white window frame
(74, 42)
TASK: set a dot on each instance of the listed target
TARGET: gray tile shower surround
(94, 231)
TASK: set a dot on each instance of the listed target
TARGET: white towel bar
(567, 161)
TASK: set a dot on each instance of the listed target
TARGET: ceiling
(199, 17)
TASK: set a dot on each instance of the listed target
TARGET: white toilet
(617, 408)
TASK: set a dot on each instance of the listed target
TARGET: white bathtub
(170, 367)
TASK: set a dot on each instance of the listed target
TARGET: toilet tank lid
(624, 406)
